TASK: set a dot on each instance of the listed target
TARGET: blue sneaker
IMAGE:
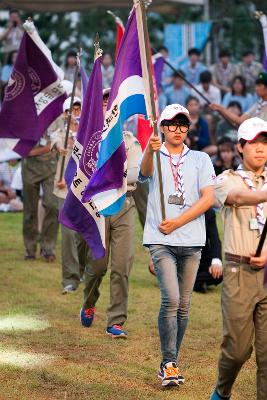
(181, 378)
(87, 316)
(216, 396)
(116, 332)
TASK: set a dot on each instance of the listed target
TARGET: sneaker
(181, 379)
(87, 316)
(216, 396)
(68, 289)
(168, 373)
(116, 332)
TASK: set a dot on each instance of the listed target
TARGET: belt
(236, 258)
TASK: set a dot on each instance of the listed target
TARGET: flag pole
(70, 111)
(97, 45)
(144, 36)
(184, 79)
(258, 252)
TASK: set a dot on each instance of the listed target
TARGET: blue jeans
(176, 268)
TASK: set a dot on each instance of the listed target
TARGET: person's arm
(37, 151)
(203, 204)
(229, 115)
(246, 197)
(147, 167)
(212, 234)
(6, 32)
(219, 86)
(259, 262)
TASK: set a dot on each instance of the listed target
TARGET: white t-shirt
(198, 173)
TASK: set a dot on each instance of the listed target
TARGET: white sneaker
(68, 289)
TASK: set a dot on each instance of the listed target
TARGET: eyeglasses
(183, 128)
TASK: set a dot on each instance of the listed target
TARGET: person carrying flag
(38, 172)
(73, 247)
(120, 242)
(175, 243)
(242, 196)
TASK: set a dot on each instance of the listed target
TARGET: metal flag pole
(184, 79)
(191, 85)
(144, 39)
(97, 46)
(70, 111)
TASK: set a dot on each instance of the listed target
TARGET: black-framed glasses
(184, 128)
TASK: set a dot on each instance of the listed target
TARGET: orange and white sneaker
(168, 373)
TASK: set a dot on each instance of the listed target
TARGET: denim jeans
(176, 268)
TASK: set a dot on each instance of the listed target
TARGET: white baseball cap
(68, 85)
(251, 128)
(106, 91)
(172, 110)
(66, 104)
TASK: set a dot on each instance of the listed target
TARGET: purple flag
(84, 217)
(108, 185)
(158, 62)
(84, 81)
(34, 94)
(264, 61)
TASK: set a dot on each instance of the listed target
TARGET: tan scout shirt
(258, 110)
(238, 237)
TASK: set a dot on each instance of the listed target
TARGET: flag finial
(98, 50)
(29, 25)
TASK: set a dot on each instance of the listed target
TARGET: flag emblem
(15, 86)
(91, 153)
(36, 81)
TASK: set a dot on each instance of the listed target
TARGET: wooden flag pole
(258, 252)
(70, 112)
(140, 7)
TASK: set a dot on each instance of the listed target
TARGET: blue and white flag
(108, 185)
(84, 217)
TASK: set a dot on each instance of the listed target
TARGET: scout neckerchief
(178, 197)
(259, 208)
(260, 105)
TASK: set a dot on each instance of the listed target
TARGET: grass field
(62, 360)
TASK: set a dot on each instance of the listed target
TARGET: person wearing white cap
(72, 244)
(175, 243)
(242, 195)
(38, 171)
(120, 233)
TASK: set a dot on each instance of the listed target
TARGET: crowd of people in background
(205, 105)
(229, 88)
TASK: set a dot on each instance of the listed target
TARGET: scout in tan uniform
(242, 195)
(120, 241)
(38, 171)
(73, 247)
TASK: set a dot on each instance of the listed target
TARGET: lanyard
(175, 173)
(176, 168)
